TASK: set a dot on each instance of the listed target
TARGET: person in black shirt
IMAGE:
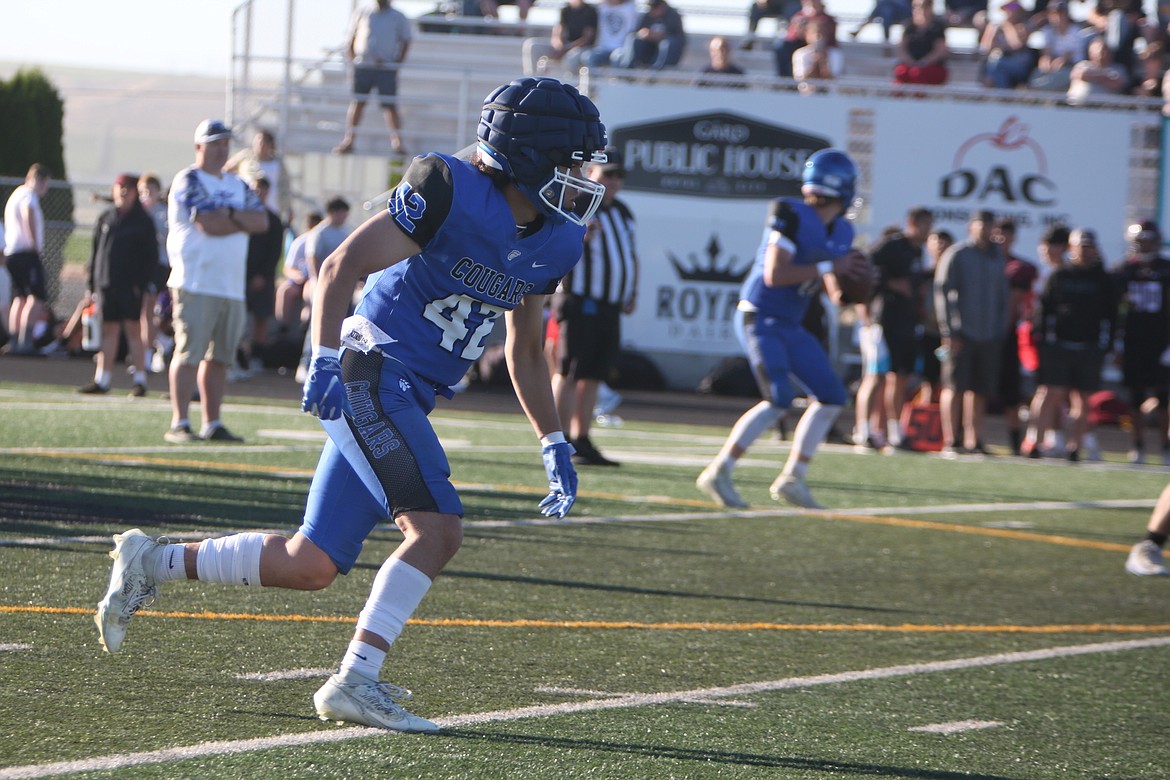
(121, 264)
(896, 308)
(264, 253)
(1073, 324)
(1145, 284)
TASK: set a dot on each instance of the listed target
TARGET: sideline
(625, 701)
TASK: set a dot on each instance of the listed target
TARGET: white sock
(362, 663)
(182, 423)
(810, 433)
(209, 427)
(234, 559)
(171, 564)
(102, 378)
(894, 432)
(395, 595)
(754, 422)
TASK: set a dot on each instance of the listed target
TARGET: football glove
(324, 392)
(562, 479)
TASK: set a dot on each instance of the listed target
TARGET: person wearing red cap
(121, 263)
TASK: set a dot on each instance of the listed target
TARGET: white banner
(1039, 166)
(704, 164)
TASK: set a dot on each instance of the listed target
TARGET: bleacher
(454, 61)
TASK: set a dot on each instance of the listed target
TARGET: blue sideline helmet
(535, 130)
(830, 173)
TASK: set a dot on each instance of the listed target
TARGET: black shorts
(975, 368)
(261, 303)
(590, 337)
(1141, 363)
(1072, 368)
(121, 303)
(385, 80)
(28, 275)
(902, 345)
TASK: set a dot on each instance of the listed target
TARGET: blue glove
(324, 392)
(562, 479)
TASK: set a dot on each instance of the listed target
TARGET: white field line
(291, 674)
(956, 727)
(628, 701)
(13, 648)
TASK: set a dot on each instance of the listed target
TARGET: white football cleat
(369, 704)
(1146, 559)
(794, 490)
(132, 586)
(716, 482)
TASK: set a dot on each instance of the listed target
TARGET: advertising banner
(704, 163)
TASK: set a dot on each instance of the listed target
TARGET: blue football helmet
(537, 130)
(830, 173)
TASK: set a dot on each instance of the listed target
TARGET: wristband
(824, 267)
(325, 352)
(556, 437)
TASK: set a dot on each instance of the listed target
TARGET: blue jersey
(434, 311)
(793, 220)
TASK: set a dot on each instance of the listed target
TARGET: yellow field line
(1004, 533)
(909, 628)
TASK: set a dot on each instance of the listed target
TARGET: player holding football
(805, 241)
(461, 245)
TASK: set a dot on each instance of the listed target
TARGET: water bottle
(91, 328)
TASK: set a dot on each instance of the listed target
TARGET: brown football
(854, 289)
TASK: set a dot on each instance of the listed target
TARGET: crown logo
(709, 268)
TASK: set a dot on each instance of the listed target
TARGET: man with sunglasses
(588, 307)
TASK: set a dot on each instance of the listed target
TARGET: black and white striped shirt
(608, 270)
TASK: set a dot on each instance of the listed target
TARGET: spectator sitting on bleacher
(1007, 60)
(966, 13)
(571, 37)
(922, 52)
(1120, 23)
(658, 41)
(616, 21)
(1063, 47)
(1151, 69)
(817, 60)
(1098, 75)
(767, 9)
(888, 13)
(491, 8)
(796, 35)
(720, 66)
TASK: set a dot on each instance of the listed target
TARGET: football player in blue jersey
(463, 244)
(805, 240)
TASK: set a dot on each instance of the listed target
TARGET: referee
(587, 308)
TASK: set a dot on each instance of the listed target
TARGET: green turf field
(946, 619)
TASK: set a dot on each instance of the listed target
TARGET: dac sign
(980, 169)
